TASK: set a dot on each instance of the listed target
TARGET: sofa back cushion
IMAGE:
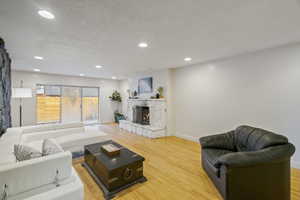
(50, 127)
(249, 138)
(31, 137)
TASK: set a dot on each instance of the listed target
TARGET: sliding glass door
(71, 104)
(90, 105)
(58, 103)
(48, 99)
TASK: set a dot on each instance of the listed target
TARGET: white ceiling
(86, 33)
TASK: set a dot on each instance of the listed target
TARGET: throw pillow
(50, 146)
(23, 152)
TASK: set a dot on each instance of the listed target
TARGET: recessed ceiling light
(36, 70)
(38, 57)
(187, 59)
(143, 45)
(114, 77)
(81, 74)
(98, 66)
(46, 14)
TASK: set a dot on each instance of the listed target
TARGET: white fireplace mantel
(157, 110)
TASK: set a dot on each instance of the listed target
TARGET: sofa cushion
(249, 138)
(212, 155)
(24, 152)
(30, 137)
(36, 144)
(50, 146)
(80, 139)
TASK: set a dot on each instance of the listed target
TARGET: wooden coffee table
(113, 174)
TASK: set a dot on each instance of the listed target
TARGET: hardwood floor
(172, 168)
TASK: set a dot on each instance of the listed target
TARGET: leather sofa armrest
(264, 156)
(220, 141)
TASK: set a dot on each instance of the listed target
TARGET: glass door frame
(81, 96)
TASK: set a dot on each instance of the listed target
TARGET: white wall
(160, 79)
(31, 79)
(261, 89)
(124, 86)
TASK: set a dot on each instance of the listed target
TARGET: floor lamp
(21, 93)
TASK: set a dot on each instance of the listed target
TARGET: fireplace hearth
(141, 115)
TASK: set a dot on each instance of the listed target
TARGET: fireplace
(141, 115)
(146, 117)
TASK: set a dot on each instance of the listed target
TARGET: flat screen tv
(145, 85)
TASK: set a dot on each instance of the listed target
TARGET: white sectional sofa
(72, 137)
(35, 179)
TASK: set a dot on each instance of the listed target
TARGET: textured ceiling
(86, 33)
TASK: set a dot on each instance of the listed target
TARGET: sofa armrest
(12, 133)
(220, 141)
(69, 189)
(27, 175)
(265, 156)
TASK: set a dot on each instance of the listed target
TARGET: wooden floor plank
(172, 168)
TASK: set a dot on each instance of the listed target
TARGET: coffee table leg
(143, 179)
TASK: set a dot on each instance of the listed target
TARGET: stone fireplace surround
(157, 111)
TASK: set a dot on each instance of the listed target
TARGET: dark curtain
(5, 88)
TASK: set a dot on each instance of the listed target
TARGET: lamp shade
(21, 93)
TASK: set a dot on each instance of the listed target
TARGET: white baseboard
(188, 137)
(295, 164)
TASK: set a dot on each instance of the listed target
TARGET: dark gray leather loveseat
(248, 164)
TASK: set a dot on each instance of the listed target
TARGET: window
(48, 104)
(67, 104)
